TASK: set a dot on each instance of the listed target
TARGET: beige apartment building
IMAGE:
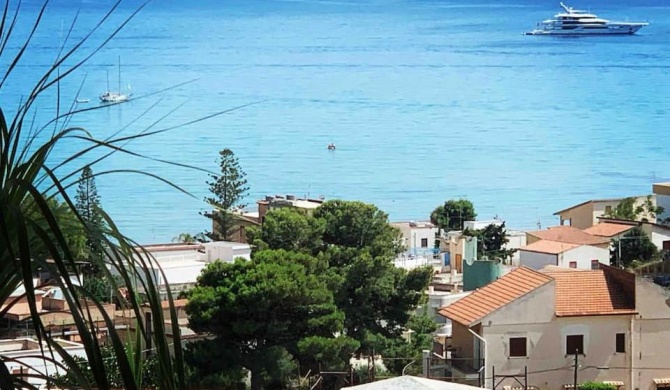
(616, 323)
(586, 214)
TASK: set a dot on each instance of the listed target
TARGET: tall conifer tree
(88, 206)
(228, 189)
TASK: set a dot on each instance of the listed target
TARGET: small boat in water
(574, 22)
(331, 146)
(82, 101)
(114, 97)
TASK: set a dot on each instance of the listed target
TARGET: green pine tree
(228, 189)
(89, 208)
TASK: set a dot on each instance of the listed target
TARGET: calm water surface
(425, 100)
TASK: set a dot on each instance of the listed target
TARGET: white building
(23, 357)
(541, 253)
(182, 263)
(418, 236)
(537, 322)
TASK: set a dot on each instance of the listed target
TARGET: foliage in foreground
(39, 220)
(337, 265)
(264, 310)
(149, 371)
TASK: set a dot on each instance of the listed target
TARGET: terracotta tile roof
(577, 293)
(605, 229)
(484, 301)
(568, 234)
(589, 293)
(548, 246)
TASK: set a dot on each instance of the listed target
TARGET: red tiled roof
(568, 234)
(548, 246)
(494, 295)
(577, 293)
(606, 229)
(589, 293)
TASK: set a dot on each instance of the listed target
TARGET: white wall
(536, 260)
(659, 235)
(517, 239)
(30, 358)
(583, 255)
(181, 272)
(413, 237)
(546, 349)
(227, 251)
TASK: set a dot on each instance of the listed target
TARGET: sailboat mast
(119, 74)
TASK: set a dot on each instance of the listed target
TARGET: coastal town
(575, 304)
(452, 113)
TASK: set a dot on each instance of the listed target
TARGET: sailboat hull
(113, 97)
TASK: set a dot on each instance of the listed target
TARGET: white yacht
(579, 22)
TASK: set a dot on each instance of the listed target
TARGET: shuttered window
(621, 342)
(517, 347)
(574, 344)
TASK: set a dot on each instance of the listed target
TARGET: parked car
(662, 280)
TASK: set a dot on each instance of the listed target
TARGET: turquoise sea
(425, 100)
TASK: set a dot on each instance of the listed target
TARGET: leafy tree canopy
(149, 374)
(258, 310)
(359, 225)
(491, 241)
(629, 209)
(290, 229)
(227, 192)
(453, 214)
(634, 245)
(70, 226)
(400, 352)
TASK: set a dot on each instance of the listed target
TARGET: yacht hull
(618, 29)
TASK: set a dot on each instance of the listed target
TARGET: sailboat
(114, 97)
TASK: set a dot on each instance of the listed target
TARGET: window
(595, 264)
(517, 347)
(621, 342)
(666, 245)
(573, 264)
(608, 210)
(424, 243)
(574, 344)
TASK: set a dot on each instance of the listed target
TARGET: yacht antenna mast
(566, 8)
